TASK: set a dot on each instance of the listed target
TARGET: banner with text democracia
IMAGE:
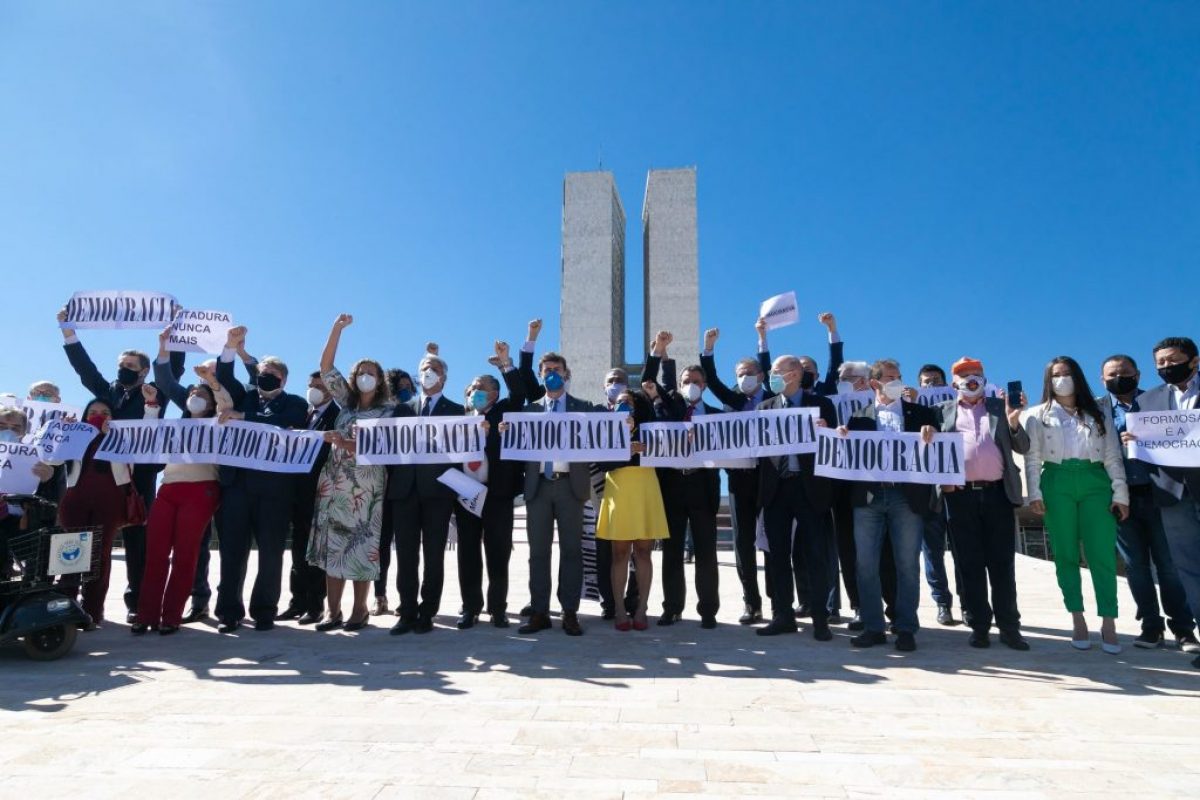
(251, 445)
(1166, 438)
(566, 437)
(419, 440)
(892, 457)
(713, 440)
(199, 332)
(846, 404)
(16, 468)
(120, 309)
(935, 395)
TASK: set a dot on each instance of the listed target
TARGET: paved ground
(680, 711)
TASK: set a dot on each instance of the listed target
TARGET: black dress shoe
(892, 628)
(966, 617)
(357, 624)
(856, 623)
(668, 619)
(945, 616)
(1014, 640)
(979, 639)
(131, 617)
(289, 613)
(196, 614)
(708, 622)
(777, 626)
(500, 620)
(167, 630)
(1196, 662)
(331, 624)
(229, 625)
(607, 612)
(423, 625)
(821, 631)
(536, 623)
(869, 639)
(138, 628)
(527, 611)
(466, 621)
(570, 624)
(803, 610)
(264, 624)
(750, 616)
(308, 618)
(402, 626)
(906, 642)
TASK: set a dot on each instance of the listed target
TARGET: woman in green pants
(1076, 479)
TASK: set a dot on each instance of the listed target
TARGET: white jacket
(1046, 446)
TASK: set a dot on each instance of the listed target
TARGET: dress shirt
(428, 403)
(555, 405)
(984, 460)
(1136, 472)
(1185, 399)
(889, 416)
(1075, 440)
(315, 413)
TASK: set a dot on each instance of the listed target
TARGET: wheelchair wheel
(50, 643)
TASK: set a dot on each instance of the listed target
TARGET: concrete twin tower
(592, 311)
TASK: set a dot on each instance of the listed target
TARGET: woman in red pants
(182, 509)
(95, 497)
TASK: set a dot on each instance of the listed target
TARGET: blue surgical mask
(9, 436)
(405, 395)
(623, 407)
(42, 398)
(479, 399)
(553, 381)
(777, 383)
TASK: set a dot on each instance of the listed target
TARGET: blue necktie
(548, 467)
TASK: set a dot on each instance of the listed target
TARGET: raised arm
(329, 354)
(81, 362)
(164, 372)
(707, 360)
(534, 390)
(224, 372)
(513, 379)
(836, 358)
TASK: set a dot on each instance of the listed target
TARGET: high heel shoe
(623, 625)
(167, 630)
(357, 624)
(640, 624)
(330, 624)
(1081, 644)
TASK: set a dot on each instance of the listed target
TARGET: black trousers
(983, 527)
(420, 526)
(201, 591)
(306, 582)
(789, 506)
(490, 538)
(690, 504)
(145, 480)
(743, 512)
(386, 536)
(262, 519)
(843, 524)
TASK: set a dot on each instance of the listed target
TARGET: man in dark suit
(307, 582)
(421, 509)
(255, 505)
(690, 496)
(493, 530)
(124, 397)
(901, 508)
(795, 504)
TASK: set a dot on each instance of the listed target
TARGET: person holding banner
(933, 547)
(255, 504)
(983, 510)
(401, 385)
(886, 511)
(14, 426)
(183, 509)
(344, 541)
(1075, 478)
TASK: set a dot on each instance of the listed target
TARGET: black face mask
(268, 382)
(1122, 384)
(127, 376)
(1176, 373)
(807, 380)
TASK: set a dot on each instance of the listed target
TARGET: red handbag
(135, 507)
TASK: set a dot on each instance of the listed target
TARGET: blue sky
(1012, 182)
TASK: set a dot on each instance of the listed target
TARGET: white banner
(780, 310)
(565, 437)
(716, 440)
(251, 445)
(419, 440)
(16, 468)
(120, 309)
(1166, 438)
(59, 441)
(70, 553)
(891, 457)
(199, 332)
(39, 413)
(933, 395)
(471, 493)
(846, 404)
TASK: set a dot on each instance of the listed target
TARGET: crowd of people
(822, 536)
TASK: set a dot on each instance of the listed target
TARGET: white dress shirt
(889, 416)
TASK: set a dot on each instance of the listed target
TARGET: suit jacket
(1007, 440)
(504, 478)
(306, 482)
(922, 499)
(405, 479)
(742, 482)
(673, 408)
(819, 490)
(829, 385)
(579, 472)
(1168, 480)
(283, 411)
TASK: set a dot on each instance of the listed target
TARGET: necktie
(548, 467)
(312, 419)
(687, 415)
(792, 462)
(425, 409)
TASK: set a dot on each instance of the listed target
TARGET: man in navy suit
(421, 510)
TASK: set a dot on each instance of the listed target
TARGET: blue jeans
(1182, 525)
(1141, 541)
(933, 549)
(888, 507)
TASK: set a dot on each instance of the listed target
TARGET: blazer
(505, 479)
(922, 499)
(819, 490)
(422, 479)
(579, 473)
(1046, 445)
(1169, 482)
(307, 481)
(829, 385)
(1006, 439)
(283, 411)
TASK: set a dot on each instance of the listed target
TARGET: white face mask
(845, 387)
(365, 382)
(196, 404)
(429, 378)
(1063, 386)
(315, 396)
(893, 390)
(963, 385)
(692, 392)
(748, 384)
(613, 391)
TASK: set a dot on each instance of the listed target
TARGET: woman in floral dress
(349, 511)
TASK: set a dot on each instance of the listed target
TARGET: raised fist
(431, 348)
(710, 337)
(236, 339)
(343, 321)
(502, 351)
(535, 327)
(761, 326)
(827, 319)
(149, 393)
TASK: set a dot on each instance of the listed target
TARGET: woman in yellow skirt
(632, 516)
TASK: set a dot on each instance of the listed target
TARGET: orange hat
(967, 366)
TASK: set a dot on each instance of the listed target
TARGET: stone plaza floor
(674, 711)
